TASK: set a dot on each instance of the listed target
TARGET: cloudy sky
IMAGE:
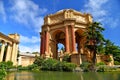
(25, 17)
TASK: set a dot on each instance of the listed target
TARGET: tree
(94, 39)
(111, 48)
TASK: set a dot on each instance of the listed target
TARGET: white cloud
(95, 7)
(33, 39)
(33, 48)
(2, 11)
(100, 10)
(28, 13)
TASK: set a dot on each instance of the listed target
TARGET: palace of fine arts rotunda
(66, 27)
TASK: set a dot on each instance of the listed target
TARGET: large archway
(59, 42)
(79, 37)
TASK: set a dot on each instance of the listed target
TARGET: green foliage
(54, 65)
(38, 61)
(94, 39)
(48, 64)
(85, 66)
(66, 58)
(68, 66)
(58, 66)
(110, 48)
(108, 60)
(3, 73)
(100, 63)
(33, 67)
(6, 65)
(101, 69)
(20, 67)
(35, 52)
(116, 62)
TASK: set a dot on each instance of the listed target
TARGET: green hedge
(54, 65)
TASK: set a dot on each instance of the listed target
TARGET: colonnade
(9, 47)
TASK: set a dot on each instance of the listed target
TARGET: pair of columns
(67, 45)
(45, 43)
(11, 52)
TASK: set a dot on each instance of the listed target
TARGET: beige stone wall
(27, 60)
(107, 59)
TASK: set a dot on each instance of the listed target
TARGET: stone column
(13, 52)
(15, 56)
(73, 40)
(8, 53)
(2, 51)
(66, 40)
(41, 45)
(47, 44)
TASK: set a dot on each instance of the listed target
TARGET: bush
(66, 58)
(58, 66)
(108, 60)
(69, 66)
(3, 73)
(55, 65)
(38, 61)
(116, 63)
(85, 66)
(48, 64)
(33, 67)
(6, 65)
(100, 63)
(101, 69)
(22, 68)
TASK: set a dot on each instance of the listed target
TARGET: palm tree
(94, 39)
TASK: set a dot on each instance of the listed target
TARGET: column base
(76, 58)
(47, 55)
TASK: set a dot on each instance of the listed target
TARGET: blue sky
(25, 17)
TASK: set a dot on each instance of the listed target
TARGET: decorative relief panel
(56, 19)
(80, 18)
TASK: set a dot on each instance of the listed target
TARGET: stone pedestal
(76, 58)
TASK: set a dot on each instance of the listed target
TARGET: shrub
(69, 66)
(52, 64)
(6, 65)
(33, 67)
(66, 58)
(38, 61)
(101, 69)
(85, 66)
(100, 63)
(48, 64)
(3, 73)
(116, 63)
(58, 66)
(108, 60)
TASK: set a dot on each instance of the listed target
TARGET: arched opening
(79, 41)
(60, 50)
(59, 43)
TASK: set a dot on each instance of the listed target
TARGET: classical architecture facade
(9, 47)
(26, 59)
(66, 27)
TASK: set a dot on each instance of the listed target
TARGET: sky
(25, 17)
